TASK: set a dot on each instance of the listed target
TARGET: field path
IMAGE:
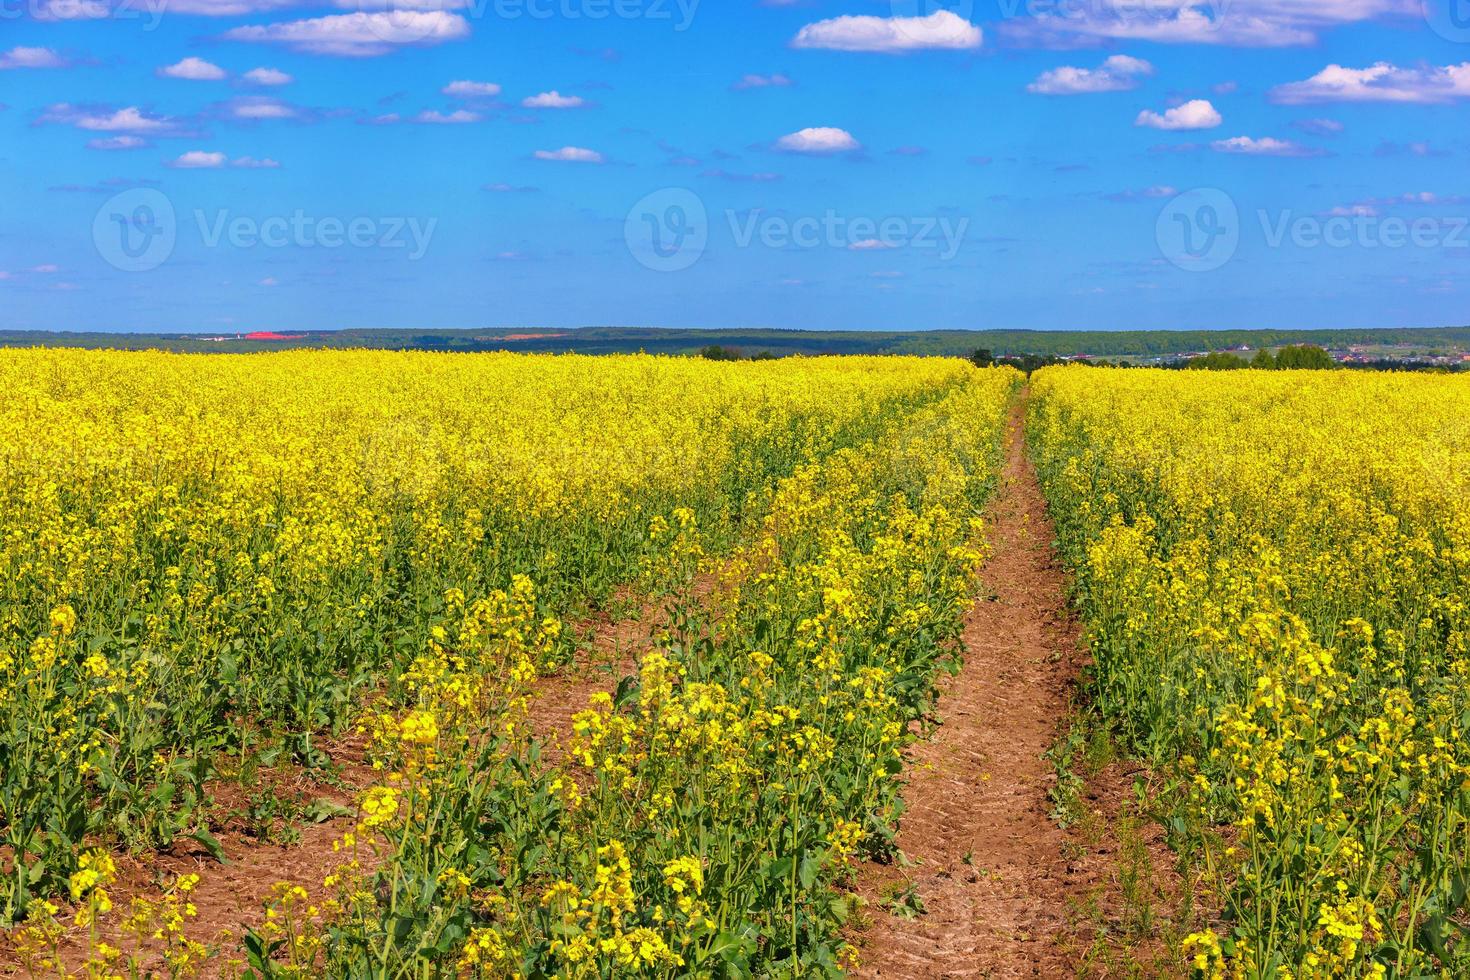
(998, 892)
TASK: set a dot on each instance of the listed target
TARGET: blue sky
(234, 165)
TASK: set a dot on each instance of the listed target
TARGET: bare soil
(1004, 890)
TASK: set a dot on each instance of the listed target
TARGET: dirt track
(990, 865)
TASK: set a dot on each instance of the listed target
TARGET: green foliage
(1304, 357)
(1217, 361)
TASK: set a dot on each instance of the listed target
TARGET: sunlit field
(1275, 573)
(213, 567)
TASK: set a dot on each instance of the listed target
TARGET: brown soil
(1005, 891)
(231, 897)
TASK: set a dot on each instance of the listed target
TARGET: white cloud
(22, 57)
(359, 35)
(1243, 23)
(762, 81)
(1195, 114)
(267, 77)
(194, 70)
(571, 154)
(261, 107)
(127, 120)
(941, 30)
(72, 10)
(251, 163)
(819, 139)
(118, 143)
(47, 269)
(458, 117)
(269, 281)
(553, 100)
(1319, 127)
(472, 90)
(1148, 193)
(1118, 74)
(1412, 199)
(1382, 82)
(199, 160)
(1267, 146)
(870, 245)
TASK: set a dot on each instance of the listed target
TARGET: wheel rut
(987, 863)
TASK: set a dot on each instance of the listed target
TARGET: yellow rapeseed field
(209, 563)
(1275, 569)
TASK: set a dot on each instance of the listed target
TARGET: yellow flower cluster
(696, 816)
(199, 554)
(1274, 570)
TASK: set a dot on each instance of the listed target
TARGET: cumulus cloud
(870, 245)
(358, 35)
(748, 82)
(267, 77)
(1195, 114)
(553, 100)
(458, 117)
(257, 107)
(194, 70)
(1147, 194)
(96, 119)
(23, 57)
(819, 139)
(941, 30)
(1319, 127)
(118, 143)
(571, 154)
(1382, 82)
(251, 163)
(1240, 23)
(1118, 74)
(736, 178)
(72, 10)
(1267, 146)
(199, 160)
(471, 90)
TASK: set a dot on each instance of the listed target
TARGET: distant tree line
(1303, 357)
(718, 352)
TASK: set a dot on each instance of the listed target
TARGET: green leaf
(211, 844)
(807, 874)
